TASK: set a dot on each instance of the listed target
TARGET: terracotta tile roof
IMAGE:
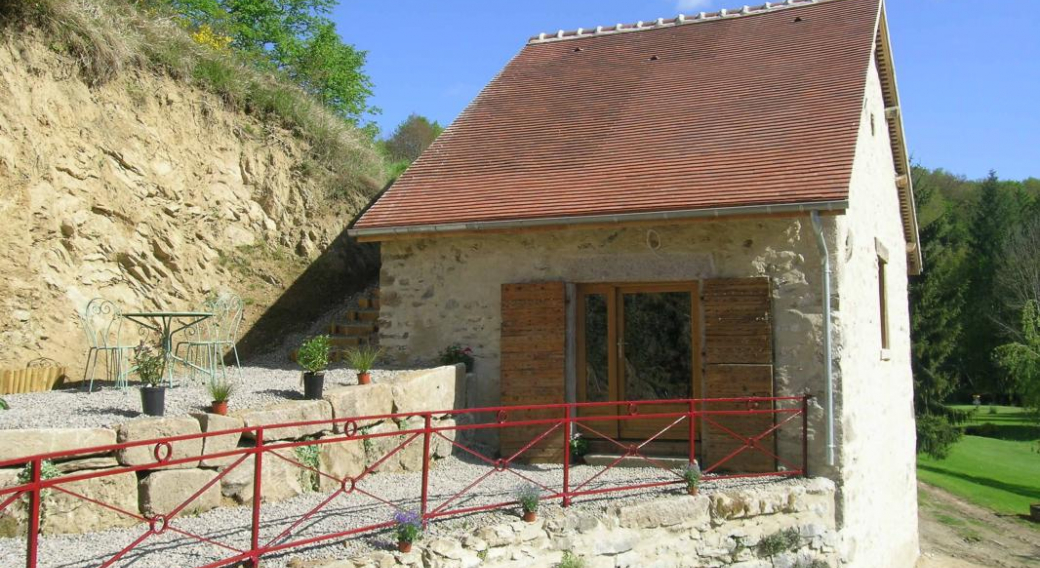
(757, 108)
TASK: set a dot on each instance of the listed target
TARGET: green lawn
(998, 469)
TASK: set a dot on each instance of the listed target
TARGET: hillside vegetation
(141, 163)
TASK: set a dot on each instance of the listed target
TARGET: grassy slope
(1000, 474)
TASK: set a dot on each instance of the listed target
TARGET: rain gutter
(825, 260)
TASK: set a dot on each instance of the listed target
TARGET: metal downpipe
(828, 363)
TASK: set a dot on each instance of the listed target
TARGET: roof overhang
(512, 225)
(905, 184)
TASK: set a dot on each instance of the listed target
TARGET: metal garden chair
(102, 324)
(214, 337)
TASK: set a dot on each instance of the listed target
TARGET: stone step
(670, 461)
(361, 315)
(356, 329)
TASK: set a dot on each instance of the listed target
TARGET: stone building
(705, 206)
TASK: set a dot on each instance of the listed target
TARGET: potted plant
(361, 359)
(456, 353)
(313, 356)
(150, 364)
(220, 391)
(579, 447)
(691, 475)
(528, 497)
(408, 528)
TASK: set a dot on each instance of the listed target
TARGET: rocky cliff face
(152, 195)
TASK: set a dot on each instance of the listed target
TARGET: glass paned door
(637, 342)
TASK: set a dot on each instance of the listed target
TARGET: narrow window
(882, 266)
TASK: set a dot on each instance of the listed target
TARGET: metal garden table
(166, 324)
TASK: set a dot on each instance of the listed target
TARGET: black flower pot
(313, 385)
(153, 400)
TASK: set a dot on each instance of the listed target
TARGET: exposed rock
(217, 444)
(442, 388)
(106, 462)
(69, 514)
(16, 444)
(280, 480)
(341, 459)
(149, 429)
(163, 491)
(665, 513)
(290, 412)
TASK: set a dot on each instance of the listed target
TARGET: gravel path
(76, 408)
(230, 525)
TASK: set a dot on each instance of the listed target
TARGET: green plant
(363, 358)
(456, 353)
(783, 541)
(308, 456)
(992, 409)
(47, 471)
(691, 475)
(571, 560)
(313, 354)
(579, 446)
(814, 563)
(528, 497)
(220, 390)
(4, 405)
(150, 364)
(407, 526)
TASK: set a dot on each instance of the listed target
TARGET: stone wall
(159, 489)
(878, 504)
(773, 525)
(444, 290)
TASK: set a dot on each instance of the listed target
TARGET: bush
(936, 435)
(783, 541)
(571, 560)
(313, 354)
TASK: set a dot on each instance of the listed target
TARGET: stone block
(443, 388)
(163, 491)
(16, 444)
(103, 462)
(408, 458)
(342, 458)
(289, 412)
(280, 480)
(217, 444)
(69, 514)
(667, 512)
(149, 429)
(360, 400)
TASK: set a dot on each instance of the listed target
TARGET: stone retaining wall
(160, 489)
(773, 525)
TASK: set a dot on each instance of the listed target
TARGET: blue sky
(969, 71)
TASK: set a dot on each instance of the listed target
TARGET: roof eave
(421, 231)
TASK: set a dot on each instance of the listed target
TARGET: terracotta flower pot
(692, 490)
(364, 378)
(219, 407)
(403, 546)
(530, 516)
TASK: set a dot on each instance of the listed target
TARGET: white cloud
(687, 5)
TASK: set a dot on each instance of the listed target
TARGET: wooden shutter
(533, 352)
(738, 358)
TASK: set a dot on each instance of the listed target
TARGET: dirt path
(957, 534)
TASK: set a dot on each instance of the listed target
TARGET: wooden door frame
(615, 292)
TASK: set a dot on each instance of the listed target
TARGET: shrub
(313, 354)
(308, 456)
(783, 541)
(528, 497)
(579, 446)
(935, 435)
(4, 405)
(455, 353)
(150, 364)
(407, 526)
(47, 471)
(571, 560)
(363, 358)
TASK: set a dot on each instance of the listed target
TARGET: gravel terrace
(230, 525)
(256, 387)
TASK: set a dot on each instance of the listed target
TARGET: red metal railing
(779, 417)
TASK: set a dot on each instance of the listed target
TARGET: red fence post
(566, 455)
(258, 471)
(33, 541)
(693, 431)
(805, 436)
(426, 465)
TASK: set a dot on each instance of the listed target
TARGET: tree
(1022, 359)
(412, 137)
